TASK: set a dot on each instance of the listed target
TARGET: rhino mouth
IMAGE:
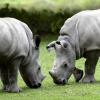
(30, 85)
(59, 82)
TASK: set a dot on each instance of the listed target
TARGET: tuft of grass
(50, 91)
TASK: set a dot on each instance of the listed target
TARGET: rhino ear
(51, 45)
(37, 41)
(58, 42)
(63, 43)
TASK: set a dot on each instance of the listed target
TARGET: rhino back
(13, 38)
(89, 30)
(83, 31)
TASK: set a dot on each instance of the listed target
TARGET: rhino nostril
(39, 84)
(47, 47)
(63, 81)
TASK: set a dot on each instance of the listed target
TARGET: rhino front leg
(13, 73)
(9, 76)
(90, 66)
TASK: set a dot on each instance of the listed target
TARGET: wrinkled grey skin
(79, 37)
(18, 50)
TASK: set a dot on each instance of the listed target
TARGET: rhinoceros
(19, 50)
(79, 37)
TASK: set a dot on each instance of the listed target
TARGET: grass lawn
(50, 91)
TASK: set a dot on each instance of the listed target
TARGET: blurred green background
(45, 16)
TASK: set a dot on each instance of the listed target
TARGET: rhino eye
(65, 65)
(39, 68)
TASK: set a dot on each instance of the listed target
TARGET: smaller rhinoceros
(19, 49)
(79, 37)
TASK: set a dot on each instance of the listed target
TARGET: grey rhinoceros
(79, 37)
(19, 49)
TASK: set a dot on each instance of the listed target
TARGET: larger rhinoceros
(19, 49)
(79, 37)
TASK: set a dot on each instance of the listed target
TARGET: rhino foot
(88, 79)
(6, 88)
(78, 74)
(11, 89)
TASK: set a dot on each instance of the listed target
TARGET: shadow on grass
(80, 83)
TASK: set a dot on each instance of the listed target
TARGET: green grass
(50, 91)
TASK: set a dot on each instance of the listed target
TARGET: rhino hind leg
(9, 77)
(4, 78)
(78, 74)
(90, 65)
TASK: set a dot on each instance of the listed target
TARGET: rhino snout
(61, 81)
(32, 84)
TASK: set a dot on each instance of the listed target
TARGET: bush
(44, 16)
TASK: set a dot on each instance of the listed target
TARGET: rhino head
(31, 71)
(64, 64)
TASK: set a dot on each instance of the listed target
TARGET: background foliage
(44, 16)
